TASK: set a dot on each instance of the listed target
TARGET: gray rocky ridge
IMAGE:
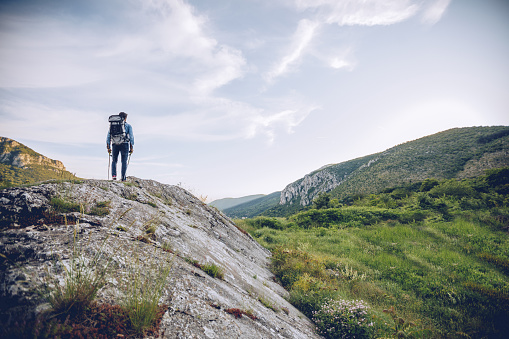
(31, 237)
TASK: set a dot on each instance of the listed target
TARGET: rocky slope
(32, 234)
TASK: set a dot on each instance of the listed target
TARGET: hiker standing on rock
(121, 136)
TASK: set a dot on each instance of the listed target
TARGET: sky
(229, 98)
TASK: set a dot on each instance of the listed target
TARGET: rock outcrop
(323, 180)
(306, 189)
(32, 234)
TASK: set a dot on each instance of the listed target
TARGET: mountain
(222, 204)
(22, 165)
(254, 207)
(138, 227)
(455, 153)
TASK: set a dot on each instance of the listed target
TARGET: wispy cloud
(287, 120)
(434, 12)
(374, 12)
(170, 40)
(221, 119)
(363, 13)
(300, 41)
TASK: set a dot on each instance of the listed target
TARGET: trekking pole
(109, 163)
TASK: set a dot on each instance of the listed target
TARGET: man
(122, 148)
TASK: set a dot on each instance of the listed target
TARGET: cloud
(374, 12)
(51, 124)
(162, 38)
(362, 13)
(287, 120)
(301, 39)
(434, 12)
(221, 119)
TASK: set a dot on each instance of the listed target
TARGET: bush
(453, 188)
(343, 319)
(261, 222)
(322, 201)
(346, 216)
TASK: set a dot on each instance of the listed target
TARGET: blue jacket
(128, 130)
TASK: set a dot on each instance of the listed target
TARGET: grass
(210, 268)
(213, 270)
(83, 278)
(142, 292)
(101, 208)
(430, 272)
(443, 273)
(61, 205)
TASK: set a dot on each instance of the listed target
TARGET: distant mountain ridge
(20, 164)
(225, 203)
(254, 207)
(454, 153)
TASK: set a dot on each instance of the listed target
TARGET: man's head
(123, 115)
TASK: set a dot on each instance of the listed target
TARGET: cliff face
(309, 187)
(15, 154)
(32, 234)
(324, 180)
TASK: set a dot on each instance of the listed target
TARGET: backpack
(117, 130)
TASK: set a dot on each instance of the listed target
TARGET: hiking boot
(114, 178)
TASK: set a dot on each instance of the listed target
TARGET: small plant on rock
(213, 270)
(142, 292)
(83, 278)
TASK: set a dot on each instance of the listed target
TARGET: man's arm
(129, 131)
(108, 141)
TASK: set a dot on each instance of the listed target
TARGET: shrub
(428, 184)
(343, 319)
(452, 188)
(322, 201)
(261, 222)
(310, 301)
(290, 265)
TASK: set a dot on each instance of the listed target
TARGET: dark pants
(123, 149)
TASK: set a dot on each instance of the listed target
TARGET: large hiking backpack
(117, 130)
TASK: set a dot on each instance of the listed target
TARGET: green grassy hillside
(455, 153)
(425, 260)
(41, 169)
(14, 176)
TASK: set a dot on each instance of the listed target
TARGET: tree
(323, 200)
